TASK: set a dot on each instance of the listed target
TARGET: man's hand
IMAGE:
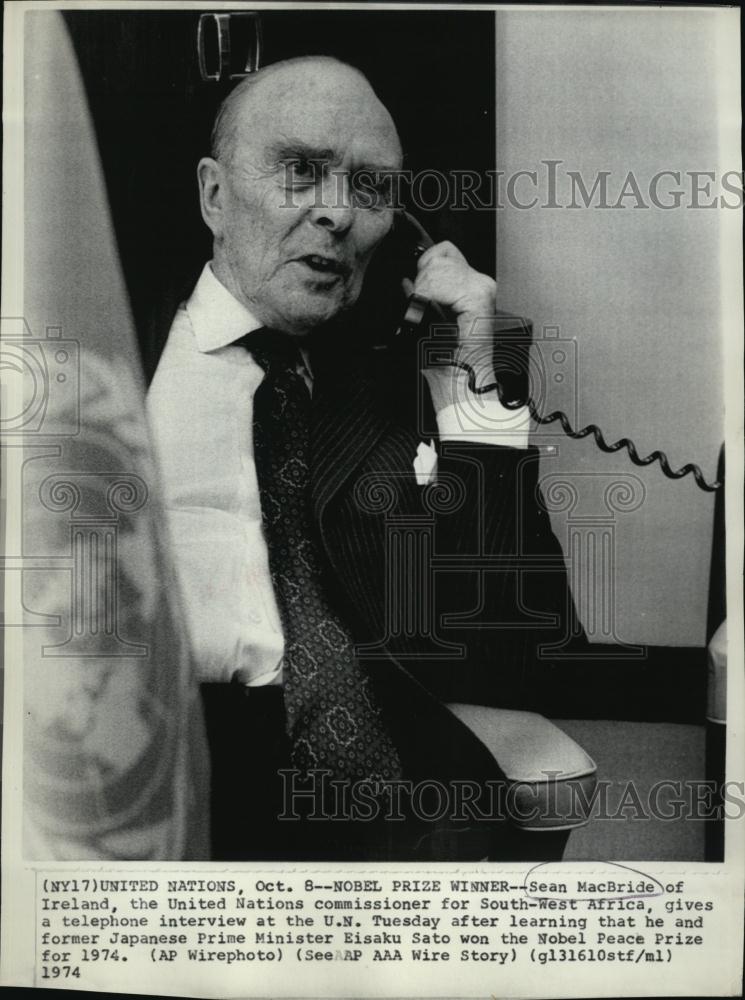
(445, 277)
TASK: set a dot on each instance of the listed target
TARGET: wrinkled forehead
(331, 110)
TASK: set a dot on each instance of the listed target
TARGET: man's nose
(333, 208)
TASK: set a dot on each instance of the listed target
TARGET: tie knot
(271, 349)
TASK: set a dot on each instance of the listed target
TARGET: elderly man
(287, 450)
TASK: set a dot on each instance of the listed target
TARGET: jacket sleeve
(502, 593)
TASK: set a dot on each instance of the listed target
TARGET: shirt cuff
(273, 676)
(463, 415)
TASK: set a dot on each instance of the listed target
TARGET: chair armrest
(552, 778)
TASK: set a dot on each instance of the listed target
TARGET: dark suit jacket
(450, 588)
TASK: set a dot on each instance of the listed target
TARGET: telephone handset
(416, 305)
(386, 318)
(410, 317)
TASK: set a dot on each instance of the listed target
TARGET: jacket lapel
(348, 421)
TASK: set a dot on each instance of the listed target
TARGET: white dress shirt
(200, 414)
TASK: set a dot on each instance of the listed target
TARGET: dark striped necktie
(332, 718)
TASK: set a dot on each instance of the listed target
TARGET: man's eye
(372, 190)
(299, 171)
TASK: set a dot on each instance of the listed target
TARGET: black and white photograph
(372, 390)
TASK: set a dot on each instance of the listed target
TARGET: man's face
(294, 239)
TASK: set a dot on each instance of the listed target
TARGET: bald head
(304, 80)
(282, 191)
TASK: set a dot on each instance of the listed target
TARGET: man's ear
(211, 178)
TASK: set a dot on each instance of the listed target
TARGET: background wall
(637, 290)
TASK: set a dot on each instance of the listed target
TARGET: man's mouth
(325, 265)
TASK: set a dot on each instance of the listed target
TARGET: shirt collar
(217, 317)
